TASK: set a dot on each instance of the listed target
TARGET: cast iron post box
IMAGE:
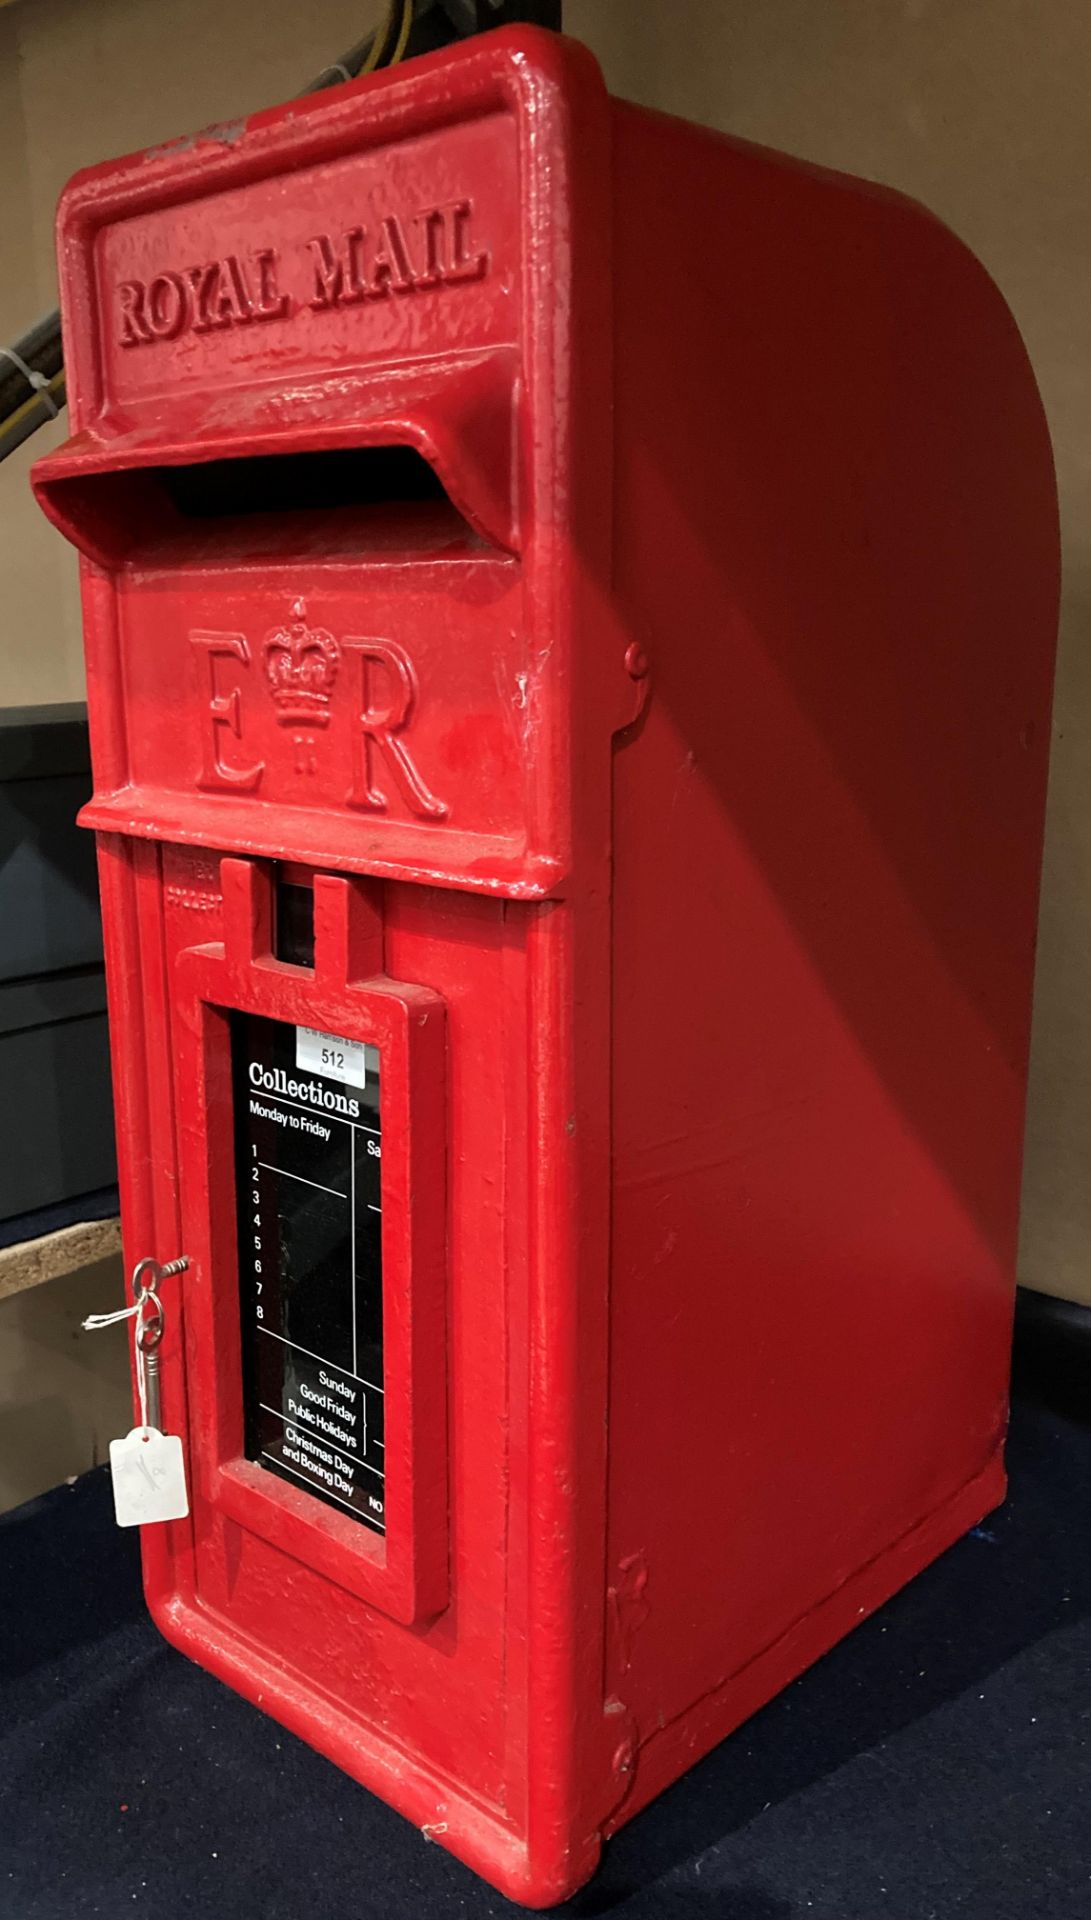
(570, 604)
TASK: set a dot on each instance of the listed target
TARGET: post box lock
(149, 1320)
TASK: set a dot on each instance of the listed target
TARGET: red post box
(570, 604)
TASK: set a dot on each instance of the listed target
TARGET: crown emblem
(301, 665)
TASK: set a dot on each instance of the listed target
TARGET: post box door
(313, 1192)
(393, 701)
(334, 1607)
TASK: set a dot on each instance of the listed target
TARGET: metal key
(146, 1277)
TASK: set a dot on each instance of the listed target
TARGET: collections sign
(308, 1157)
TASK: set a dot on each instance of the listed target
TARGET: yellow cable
(12, 419)
(382, 35)
(403, 36)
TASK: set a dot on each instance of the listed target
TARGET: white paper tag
(149, 1477)
(331, 1054)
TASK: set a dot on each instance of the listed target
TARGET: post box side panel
(439, 1689)
(837, 542)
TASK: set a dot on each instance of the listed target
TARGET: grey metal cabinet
(56, 1123)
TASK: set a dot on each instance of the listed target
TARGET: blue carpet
(936, 1764)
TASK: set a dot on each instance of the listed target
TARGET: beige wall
(64, 1393)
(978, 107)
(81, 80)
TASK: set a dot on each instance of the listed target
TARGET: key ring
(149, 1307)
(140, 1290)
(149, 1330)
(146, 1295)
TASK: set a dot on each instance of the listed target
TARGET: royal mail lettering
(228, 292)
(371, 263)
(394, 255)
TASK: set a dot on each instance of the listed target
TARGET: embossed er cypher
(299, 666)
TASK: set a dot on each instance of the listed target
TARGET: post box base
(672, 1750)
(525, 1873)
